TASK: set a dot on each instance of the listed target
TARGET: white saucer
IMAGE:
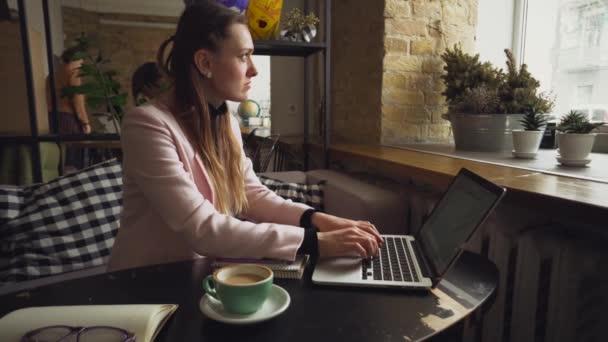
(526, 155)
(277, 302)
(568, 162)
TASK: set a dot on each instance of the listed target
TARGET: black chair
(264, 151)
(250, 138)
(286, 160)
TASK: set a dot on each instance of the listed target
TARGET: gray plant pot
(484, 132)
(104, 123)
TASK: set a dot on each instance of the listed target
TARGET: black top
(310, 243)
(215, 112)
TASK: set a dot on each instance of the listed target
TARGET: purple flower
(237, 5)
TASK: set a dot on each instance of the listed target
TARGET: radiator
(550, 286)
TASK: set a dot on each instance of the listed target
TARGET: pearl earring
(208, 74)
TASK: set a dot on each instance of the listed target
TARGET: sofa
(354, 198)
(342, 195)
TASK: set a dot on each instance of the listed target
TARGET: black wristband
(306, 218)
(310, 244)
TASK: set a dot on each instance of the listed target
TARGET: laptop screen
(455, 217)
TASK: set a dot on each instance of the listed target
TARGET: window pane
(566, 48)
(494, 30)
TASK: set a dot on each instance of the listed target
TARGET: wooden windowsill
(545, 161)
(439, 170)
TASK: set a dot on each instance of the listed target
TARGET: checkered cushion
(310, 194)
(66, 224)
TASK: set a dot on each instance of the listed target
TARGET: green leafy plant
(479, 100)
(98, 86)
(296, 21)
(474, 87)
(466, 75)
(576, 123)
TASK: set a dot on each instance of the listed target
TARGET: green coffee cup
(242, 289)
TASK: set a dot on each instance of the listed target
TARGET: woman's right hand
(350, 241)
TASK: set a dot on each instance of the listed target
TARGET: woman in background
(146, 83)
(187, 183)
(72, 117)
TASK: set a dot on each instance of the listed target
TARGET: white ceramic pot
(575, 147)
(527, 141)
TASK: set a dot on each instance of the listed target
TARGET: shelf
(56, 138)
(286, 48)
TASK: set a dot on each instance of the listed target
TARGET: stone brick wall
(416, 33)
(406, 106)
(126, 46)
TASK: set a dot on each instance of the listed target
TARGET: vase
(574, 148)
(105, 123)
(484, 132)
(526, 143)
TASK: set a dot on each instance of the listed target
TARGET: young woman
(186, 179)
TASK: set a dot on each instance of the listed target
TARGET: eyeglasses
(64, 333)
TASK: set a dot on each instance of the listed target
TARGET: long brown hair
(204, 25)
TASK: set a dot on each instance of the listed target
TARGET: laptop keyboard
(394, 262)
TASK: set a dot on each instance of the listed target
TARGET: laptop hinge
(425, 267)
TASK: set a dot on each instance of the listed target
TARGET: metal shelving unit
(304, 49)
(287, 48)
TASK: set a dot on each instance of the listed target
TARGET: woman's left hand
(328, 223)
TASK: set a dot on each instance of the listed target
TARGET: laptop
(420, 261)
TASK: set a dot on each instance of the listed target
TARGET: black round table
(316, 313)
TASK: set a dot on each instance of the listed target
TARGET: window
(494, 30)
(565, 44)
(583, 94)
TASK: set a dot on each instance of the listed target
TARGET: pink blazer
(168, 213)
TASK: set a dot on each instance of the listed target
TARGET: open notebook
(144, 320)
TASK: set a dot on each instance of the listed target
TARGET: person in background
(146, 83)
(188, 189)
(72, 117)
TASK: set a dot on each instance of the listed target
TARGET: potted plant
(574, 139)
(486, 104)
(99, 87)
(527, 141)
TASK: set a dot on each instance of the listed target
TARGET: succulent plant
(295, 20)
(576, 123)
(534, 117)
(533, 121)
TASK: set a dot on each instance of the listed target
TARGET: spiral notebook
(281, 269)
